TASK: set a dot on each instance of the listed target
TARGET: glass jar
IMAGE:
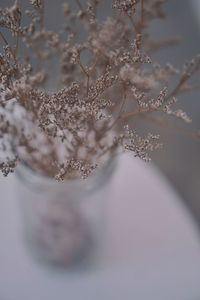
(62, 221)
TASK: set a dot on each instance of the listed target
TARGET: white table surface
(152, 248)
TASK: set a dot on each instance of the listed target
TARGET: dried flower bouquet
(105, 80)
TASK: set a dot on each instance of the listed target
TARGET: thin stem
(6, 101)
(188, 74)
(17, 42)
(79, 4)
(137, 112)
(165, 124)
(17, 45)
(42, 10)
(6, 42)
(142, 13)
(95, 4)
(88, 84)
(3, 38)
(83, 69)
(87, 75)
(176, 89)
(133, 23)
(120, 111)
(114, 122)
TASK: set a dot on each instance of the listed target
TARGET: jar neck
(34, 180)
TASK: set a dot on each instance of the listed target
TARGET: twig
(7, 44)
(87, 75)
(168, 125)
(79, 4)
(142, 13)
(133, 23)
(3, 38)
(121, 109)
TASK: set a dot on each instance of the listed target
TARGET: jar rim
(35, 179)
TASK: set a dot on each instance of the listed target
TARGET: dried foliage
(104, 82)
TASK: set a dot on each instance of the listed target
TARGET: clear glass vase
(63, 222)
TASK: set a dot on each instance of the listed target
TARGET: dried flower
(66, 131)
